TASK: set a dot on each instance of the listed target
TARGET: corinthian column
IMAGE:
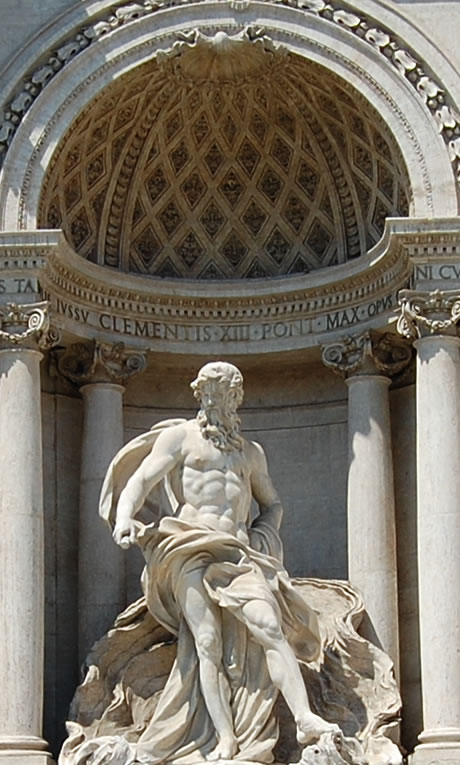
(367, 362)
(100, 369)
(431, 320)
(24, 331)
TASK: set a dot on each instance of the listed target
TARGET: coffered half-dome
(225, 158)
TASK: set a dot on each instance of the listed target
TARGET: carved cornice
(68, 276)
(428, 313)
(290, 313)
(95, 362)
(27, 326)
(368, 354)
(382, 39)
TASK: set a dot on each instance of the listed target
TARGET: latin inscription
(433, 272)
(18, 286)
(219, 333)
(350, 316)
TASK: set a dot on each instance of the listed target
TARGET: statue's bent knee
(209, 646)
(262, 617)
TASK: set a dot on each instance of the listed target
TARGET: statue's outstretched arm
(161, 460)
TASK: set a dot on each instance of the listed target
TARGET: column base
(18, 757)
(437, 746)
(24, 750)
(448, 754)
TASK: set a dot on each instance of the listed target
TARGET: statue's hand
(125, 532)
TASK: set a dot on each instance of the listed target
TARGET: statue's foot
(225, 749)
(311, 727)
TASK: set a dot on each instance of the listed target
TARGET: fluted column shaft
(22, 595)
(372, 566)
(101, 594)
(431, 319)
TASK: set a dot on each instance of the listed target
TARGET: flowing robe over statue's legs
(232, 575)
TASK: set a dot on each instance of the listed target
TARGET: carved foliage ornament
(369, 353)
(428, 313)
(93, 362)
(381, 39)
(27, 325)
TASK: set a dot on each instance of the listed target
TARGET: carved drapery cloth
(156, 710)
(233, 574)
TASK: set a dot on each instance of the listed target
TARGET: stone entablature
(283, 314)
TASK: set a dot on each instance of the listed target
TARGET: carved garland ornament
(428, 313)
(369, 353)
(21, 325)
(381, 39)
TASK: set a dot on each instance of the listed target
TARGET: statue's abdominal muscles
(218, 498)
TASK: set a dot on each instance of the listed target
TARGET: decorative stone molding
(94, 362)
(27, 326)
(280, 314)
(368, 354)
(428, 313)
(383, 40)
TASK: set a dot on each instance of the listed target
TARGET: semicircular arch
(311, 37)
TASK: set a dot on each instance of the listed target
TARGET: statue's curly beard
(221, 428)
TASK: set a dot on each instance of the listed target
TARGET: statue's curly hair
(223, 372)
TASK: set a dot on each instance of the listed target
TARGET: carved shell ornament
(221, 58)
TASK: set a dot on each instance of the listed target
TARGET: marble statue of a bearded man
(216, 581)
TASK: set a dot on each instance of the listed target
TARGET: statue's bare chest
(203, 456)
